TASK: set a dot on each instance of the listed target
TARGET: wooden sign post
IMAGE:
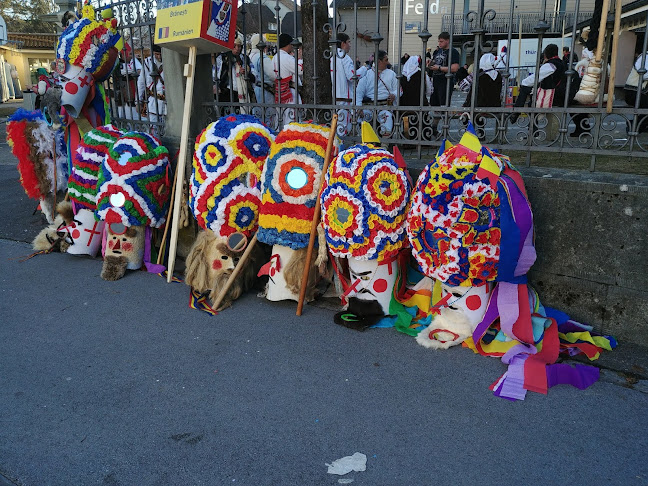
(197, 27)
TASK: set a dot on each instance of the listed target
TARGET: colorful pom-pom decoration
(365, 200)
(134, 185)
(225, 185)
(86, 164)
(290, 184)
(90, 44)
(458, 217)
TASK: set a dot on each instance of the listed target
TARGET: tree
(22, 16)
(317, 75)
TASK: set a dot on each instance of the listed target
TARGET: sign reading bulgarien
(210, 25)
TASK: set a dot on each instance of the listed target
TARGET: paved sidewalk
(120, 383)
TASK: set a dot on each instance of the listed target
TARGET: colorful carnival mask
(89, 44)
(225, 195)
(124, 250)
(42, 157)
(133, 194)
(364, 205)
(290, 185)
(469, 226)
(85, 233)
(76, 87)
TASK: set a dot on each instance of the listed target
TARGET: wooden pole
(316, 216)
(601, 36)
(615, 50)
(168, 222)
(189, 69)
(237, 270)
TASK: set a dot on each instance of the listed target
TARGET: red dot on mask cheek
(127, 246)
(75, 234)
(217, 265)
(473, 302)
(111, 244)
(380, 285)
(71, 88)
(273, 272)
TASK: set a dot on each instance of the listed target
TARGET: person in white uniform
(342, 73)
(150, 87)
(286, 78)
(387, 94)
(260, 62)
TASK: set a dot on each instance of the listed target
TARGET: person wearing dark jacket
(231, 71)
(489, 90)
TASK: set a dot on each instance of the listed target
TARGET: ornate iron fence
(127, 90)
(580, 132)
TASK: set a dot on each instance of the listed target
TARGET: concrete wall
(366, 23)
(591, 231)
(591, 234)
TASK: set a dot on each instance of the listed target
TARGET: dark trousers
(227, 96)
(440, 89)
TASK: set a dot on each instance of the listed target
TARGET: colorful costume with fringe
(471, 224)
(40, 151)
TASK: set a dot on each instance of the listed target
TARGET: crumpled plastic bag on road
(356, 462)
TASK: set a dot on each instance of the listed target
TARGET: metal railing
(535, 135)
(525, 23)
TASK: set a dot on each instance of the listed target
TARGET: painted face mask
(461, 309)
(224, 197)
(290, 184)
(124, 250)
(373, 281)
(85, 233)
(77, 83)
(364, 204)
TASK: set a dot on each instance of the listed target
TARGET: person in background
(565, 58)
(287, 77)
(551, 74)
(342, 73)
(263, 72)
(637, 86)
(411, 92)
(44, 83)
(387, 94)
(489, 90)
(150, 87)
(445, 59)
(231, 69)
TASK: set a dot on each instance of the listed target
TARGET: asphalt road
(120, 383)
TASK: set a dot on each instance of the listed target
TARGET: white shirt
(343, 75)
(287, 63)
(637, 65)
(268, 69)
(387, 84)
(546, 70)
(145, 78)
(131, 67)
